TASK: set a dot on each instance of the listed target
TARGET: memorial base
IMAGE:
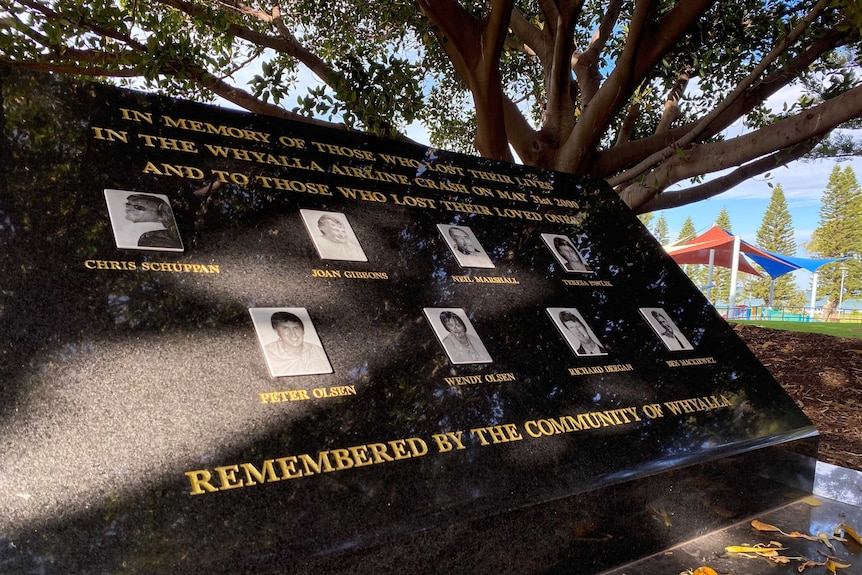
(595, 531)
(837, 501)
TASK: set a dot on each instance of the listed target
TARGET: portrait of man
(465, 246)
(143, 221)
(457, 336)
(289, 341)
(566, 254)
(575, 331)
(666, 330)
(332, 236)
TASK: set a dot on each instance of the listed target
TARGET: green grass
(830, 328)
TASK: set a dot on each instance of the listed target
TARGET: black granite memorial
(236, 344)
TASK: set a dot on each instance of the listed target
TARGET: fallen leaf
(761, 526)
(808, 564)
(812, 501)
(798, 535)
(849, 531)
(704, 570)
(824, 538)
(832, 565)
(747, 549)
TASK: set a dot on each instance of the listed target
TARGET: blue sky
(803, 184)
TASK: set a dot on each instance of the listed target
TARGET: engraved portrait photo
(465, 246)
(142, 221)
(289, 341)
(332, 236)
(457, 336)
(575, 331)
(665, 329)
(566, 254)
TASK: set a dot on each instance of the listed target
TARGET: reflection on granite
(838, 483)
(141, 431)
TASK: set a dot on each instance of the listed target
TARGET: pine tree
(646, 219)
(776, 235)
(721, 276)
(839, 235)
(687, 231)
(696, 272)
(660, 231)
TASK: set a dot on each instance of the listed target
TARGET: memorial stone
(234, 343)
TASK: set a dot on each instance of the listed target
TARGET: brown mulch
(824, 375)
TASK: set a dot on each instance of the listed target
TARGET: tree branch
(715, 156)
(247, 101)
(50, 14)
(285, 43)
(474, 48)
(526, 141)
(628, 125)
(456, 30)
(671, 105)
(491, 139)
(666, 32)
(550, 12)
(63, 68)
(712, 188)
(245, 10)
(560, 110)
(704, 123)
(533, 38)
(586, 64)
(595, 117)
(612, 161)
(317, 66)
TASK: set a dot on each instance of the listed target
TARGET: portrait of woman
(566, 253)
(457, 336)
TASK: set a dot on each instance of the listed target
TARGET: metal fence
(763, 313)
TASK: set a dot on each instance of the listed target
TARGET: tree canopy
(776, 235)
(696, 272)
(839, 235)
(646, 94)
(660, 231)
(721, 276)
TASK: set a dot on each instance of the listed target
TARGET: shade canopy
(775, 269)
(696, 251)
